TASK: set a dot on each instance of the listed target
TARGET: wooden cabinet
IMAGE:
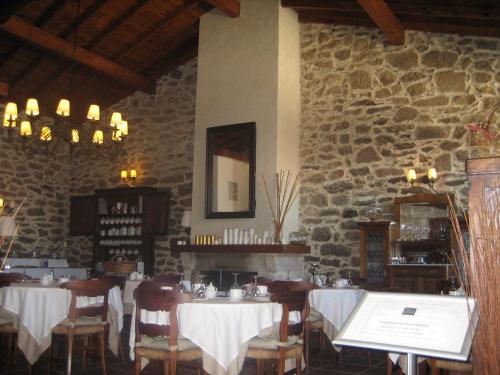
(123, 222)
(82, 216)
(418, 278)
(374, 249)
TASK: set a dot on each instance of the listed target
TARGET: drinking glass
(235, 285)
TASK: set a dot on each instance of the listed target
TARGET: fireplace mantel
(249, 249)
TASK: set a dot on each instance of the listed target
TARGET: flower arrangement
(483, 128)
(287, 186)
(481, 278)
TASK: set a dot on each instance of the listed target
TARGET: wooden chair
(314, 320)
(437, 365)
(289, 344)
(161, 342)
(87, 320)
(7, 329)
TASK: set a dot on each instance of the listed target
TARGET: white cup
(262, 289)
(211, 293)
(235, 294)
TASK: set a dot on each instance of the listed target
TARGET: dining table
(221, 327)
(335, 306)
(36, 309)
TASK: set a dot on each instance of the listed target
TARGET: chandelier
(62, 129)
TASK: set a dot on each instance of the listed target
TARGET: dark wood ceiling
(125, 45)
(464, 17)
(121, 46)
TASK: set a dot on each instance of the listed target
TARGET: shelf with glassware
(124, 222)
(180, 245)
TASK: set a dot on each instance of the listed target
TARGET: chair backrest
(291, 300)
(7, 278)
(284, 285)
(88, 288)
(375, 285)
(158, 296)
(169, 278)
(116, 280)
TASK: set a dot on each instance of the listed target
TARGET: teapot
(211, 291)
(46, 279)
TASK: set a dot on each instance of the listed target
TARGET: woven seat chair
(169, 278)
(437, 365)
(289, 344)
(7, 329)
(161, 342)
(313, 321)
(85, 321)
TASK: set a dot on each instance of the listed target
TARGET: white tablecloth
(37, 309)
(128, 295)
(222, 329)
(335, 305)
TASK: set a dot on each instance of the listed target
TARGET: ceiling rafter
(40, 55)
(96, 40)
(230, 7)
(62, 47)
(385, 19)
(4, 89)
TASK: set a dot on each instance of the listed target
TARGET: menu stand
(416, 324)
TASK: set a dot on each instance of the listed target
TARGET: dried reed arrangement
(3, 238)
(287, 186)
(481, 278)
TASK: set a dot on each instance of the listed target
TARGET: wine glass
(181, 283)
(349, 281)
(235, 285)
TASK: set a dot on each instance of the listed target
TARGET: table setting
(51, 304)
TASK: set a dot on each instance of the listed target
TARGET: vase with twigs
(287, 187)
(4, 235)
(480, 277)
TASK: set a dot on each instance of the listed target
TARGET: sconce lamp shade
(11, 111)
(432, 174)
(26, 128)
(7, 226)
(116, 120)
(123, 175)
(63, 108)
(1, 202)
(94, 112)
(186, 219)
(32, 107)
(412, 175)
(6, 121)
(133, 174)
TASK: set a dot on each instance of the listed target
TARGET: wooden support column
(382, 15)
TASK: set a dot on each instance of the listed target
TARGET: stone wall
(159, 147)
(370, 111)
(39, 178)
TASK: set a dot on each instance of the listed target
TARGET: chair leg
(369, 354)
(173, 363)
(321, 344)
(102, 353)
(137, 369)
(85, 351)
(307, 336)
(390, 365)
(260, 367)
(70, 350)
(49, 359)
(166, 365)
(298, 365)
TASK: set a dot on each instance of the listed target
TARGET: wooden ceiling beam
(4, 89)
(31, 34)
(383, 16)
(453, 10)
(230, 7)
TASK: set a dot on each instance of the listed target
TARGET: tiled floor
(353, 362)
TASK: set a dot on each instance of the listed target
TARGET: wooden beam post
(4, 89)
(230, 7)
(41, 38)
(381, 14)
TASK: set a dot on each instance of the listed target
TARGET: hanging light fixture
(62, 129)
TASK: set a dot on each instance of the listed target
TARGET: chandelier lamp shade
(62, 129)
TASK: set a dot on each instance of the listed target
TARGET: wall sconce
(429, 179)
(128, 177)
